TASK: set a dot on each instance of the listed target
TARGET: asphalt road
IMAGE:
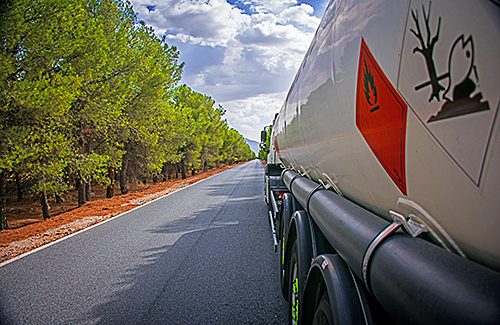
(201, 255)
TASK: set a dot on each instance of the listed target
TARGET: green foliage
(208, 139)
(85, 87)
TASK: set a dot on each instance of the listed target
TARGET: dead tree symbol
(427, 49)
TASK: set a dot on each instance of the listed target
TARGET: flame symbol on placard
(370, 89)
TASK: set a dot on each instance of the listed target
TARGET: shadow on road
(220, 268)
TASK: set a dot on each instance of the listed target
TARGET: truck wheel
(332, 295)
(283, 279)
(323, 314)
(299, 249)
(294, 286)
(289, 206)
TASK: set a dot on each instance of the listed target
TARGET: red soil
(28, 230)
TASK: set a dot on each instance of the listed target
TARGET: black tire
(333, 294)
(283, 280)
(293, 286)
(323, 314)
(287, 210)
(299, 247)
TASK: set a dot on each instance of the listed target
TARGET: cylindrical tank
(396, 103)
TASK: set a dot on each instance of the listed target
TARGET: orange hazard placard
(381, 117)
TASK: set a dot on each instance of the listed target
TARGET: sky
(242, 53)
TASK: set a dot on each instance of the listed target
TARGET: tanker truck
(383, 168)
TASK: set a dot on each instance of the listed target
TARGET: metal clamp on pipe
(311, 194)
(373, 245)
(410, 226)
(291, 181)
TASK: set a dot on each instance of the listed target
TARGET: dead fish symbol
(460, 63)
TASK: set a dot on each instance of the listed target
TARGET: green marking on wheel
(295, 302)
(283, 252)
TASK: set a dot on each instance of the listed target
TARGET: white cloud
(210, 23)
(301, 16)
(258, 51)
(252, 114)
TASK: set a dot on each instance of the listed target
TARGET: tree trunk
(81, 191)
(19, 187)
(3, 199)
(164, 172)
(193, 172)
(57, 197)
(45, 205)
(123, 174)
(183, 168)
(87, 191)
(110, 188)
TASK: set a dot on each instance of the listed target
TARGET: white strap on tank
(373, 245)
(399, 220)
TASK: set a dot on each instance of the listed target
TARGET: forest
(90, 95)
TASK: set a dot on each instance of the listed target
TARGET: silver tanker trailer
(383, 174)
